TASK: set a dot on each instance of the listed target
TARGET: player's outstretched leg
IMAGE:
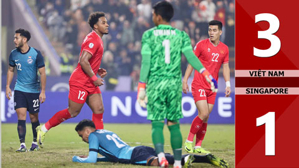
(40, 136)
(22, 148)
(188, 161)
(58, 118)
(217, 161)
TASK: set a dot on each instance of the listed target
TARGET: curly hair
(94, 18)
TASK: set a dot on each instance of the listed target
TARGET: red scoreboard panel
(267, 83)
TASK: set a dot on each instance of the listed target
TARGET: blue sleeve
(93, 143)
(11, 60)
(88, 160)
(93, 151)
(39, 60)
(92, 158)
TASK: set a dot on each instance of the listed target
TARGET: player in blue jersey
(113, 149)
(28, 94)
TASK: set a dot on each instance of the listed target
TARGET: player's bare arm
(10, 74)
(185, 79)
(42, 96)
(84, 62)
(226, 76)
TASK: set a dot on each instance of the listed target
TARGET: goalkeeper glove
(210, 79)
(141, 95)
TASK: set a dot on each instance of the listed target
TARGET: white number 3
(268, 34)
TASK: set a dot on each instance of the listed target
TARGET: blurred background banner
(61, 84)
(122, 107)
(58, 28)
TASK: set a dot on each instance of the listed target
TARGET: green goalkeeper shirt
(162, 47)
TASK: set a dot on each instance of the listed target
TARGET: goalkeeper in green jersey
(162, 47)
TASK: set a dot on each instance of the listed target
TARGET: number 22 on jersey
(215, 57)
(118, 142)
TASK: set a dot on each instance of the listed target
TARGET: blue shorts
(27, 100)
(141, 154)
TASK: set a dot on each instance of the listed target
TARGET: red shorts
(79, 94)
(199, 93)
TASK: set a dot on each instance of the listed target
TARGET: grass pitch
(62, 142)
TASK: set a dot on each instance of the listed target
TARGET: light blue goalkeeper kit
(27, 64)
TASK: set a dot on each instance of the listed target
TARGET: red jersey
(212, 57)
(94, 45)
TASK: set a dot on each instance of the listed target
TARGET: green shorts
(164, 99)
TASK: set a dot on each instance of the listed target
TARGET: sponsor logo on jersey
(90, 45)
(29, 60)
(209, 49)
(221, 51)
(16, 60)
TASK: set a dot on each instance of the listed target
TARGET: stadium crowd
(128, 19)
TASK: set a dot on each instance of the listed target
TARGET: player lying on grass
(113, 149)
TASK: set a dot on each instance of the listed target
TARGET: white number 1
(166, 45)
(269, 120)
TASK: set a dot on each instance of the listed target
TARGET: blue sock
(22, 130)
(34, 125)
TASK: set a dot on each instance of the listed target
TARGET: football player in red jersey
(212, 53)
(84, 83)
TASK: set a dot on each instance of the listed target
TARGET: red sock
(201, 134)
(58, 118)
(98, 120)
(195, 126)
